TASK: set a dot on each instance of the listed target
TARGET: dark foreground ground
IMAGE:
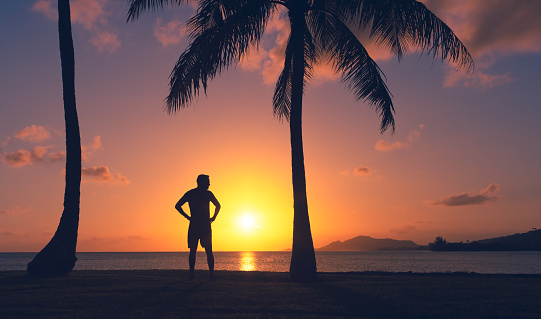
(169, 294)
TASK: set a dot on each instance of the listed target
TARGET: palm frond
(283, 90)
(311, 54)
(139, 6)
(281, 100)
(211, 12)
(215, 48)
(319, 20)
(361, 74)
(403, 24)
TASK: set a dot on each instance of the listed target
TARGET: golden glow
(247, 222)
(247, 261)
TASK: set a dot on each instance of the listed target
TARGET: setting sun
(247, 222)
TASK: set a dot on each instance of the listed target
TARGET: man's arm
(178, 207)
(216, 208)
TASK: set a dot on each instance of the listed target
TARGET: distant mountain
(365, 243)
(517, 242)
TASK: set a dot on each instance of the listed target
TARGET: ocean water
(528, 262)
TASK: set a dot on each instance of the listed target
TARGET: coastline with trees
(530, 241)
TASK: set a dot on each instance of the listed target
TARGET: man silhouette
(198, 200)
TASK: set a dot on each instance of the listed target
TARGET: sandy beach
(170, 294)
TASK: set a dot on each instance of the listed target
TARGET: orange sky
(463, 162)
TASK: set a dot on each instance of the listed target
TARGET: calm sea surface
(419, 261)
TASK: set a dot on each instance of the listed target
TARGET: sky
(462, 164)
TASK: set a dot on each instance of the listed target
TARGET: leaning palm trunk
(58, 256)
(303, 260)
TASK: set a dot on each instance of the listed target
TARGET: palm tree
(222, 31)
(58, 256)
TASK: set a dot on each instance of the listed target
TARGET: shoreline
(418, 262)
(243, 294)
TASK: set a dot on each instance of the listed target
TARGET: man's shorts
(200, 232)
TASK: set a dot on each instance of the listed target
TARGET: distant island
(366, 243)
(530, 241)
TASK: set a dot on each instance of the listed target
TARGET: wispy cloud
(403, 230)
(33, 133)
(17, 210)
(102, 174)
(57, 156)
(87, 13)
(114, 243)
(91, 15)
(46, 8)
(41, 154)
(480, 79)
(484, 196)
(106, 41)
(23, 157)
(490, 29)
(268, 58)
(95, 145)
(363, 172)
(11, 233)
(170, 33)
(412, 137)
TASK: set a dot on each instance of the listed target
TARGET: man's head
(203, 181)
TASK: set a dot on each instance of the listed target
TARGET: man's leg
(193, 250)
(210, 260)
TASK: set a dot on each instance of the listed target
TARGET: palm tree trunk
(303, 260)
(58, 256)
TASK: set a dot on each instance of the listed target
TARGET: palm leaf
(281, 100)
(215, 47)
(320, 18)
(403, 24)
(282, 92)
(139, 6)
(361, 74)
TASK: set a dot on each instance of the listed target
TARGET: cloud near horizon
(91, 15)
(484, 196)
(403, 230)
(102, 174)
(17, 210)
(89, 242)
(41, 154)
(364, 173)
(412, 137)
(22, 158)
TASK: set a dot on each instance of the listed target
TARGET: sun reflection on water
(247, 261)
